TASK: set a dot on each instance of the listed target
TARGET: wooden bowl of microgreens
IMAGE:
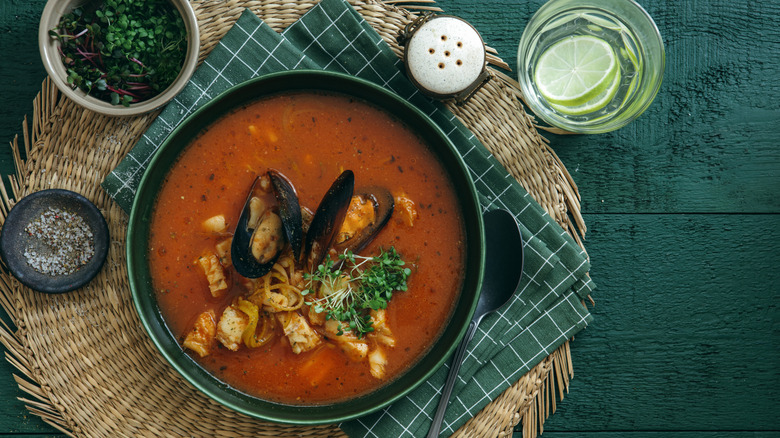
(119, 57)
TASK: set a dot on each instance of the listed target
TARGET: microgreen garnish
(122, 51)
(356, 286)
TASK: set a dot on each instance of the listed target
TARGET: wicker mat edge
(54, 160)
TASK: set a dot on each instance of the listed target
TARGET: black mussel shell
(240, 249)
(383, 203)
(328, 219)
(289, 211)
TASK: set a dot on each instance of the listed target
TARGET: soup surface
(309, 138)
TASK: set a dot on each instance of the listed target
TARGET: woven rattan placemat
(84, 359)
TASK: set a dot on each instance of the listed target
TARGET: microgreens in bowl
(122, 51)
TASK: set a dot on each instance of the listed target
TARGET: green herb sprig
(357, 285)
(122, 51)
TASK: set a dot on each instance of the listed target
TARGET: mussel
(271, 217)
(368, 212)
(346, 221)
(289, 210)
(328, 219)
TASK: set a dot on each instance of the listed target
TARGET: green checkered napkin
(547, 309)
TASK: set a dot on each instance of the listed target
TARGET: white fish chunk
(300, 334)
(382, 333)
(215, 224)
(201, 338)
(231, 326)
(377, 361)
(355, 348)
(215, 274)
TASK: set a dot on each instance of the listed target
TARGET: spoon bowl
(503, 269)
(503, 261)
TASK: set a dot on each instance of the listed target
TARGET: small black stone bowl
(14, 239)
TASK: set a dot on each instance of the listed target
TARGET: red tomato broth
(310, 138)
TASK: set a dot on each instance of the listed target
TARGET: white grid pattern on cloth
(332, 34)
(476, 403)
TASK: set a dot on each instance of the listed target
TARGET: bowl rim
(160, 335)
(30, 207)
(47, 47)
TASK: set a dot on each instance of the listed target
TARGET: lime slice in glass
(594, 104)
(573, 71)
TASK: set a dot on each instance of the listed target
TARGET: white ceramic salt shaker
(445, 57)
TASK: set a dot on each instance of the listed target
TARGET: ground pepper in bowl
(54, 241)
(122, 51)
(62, 242)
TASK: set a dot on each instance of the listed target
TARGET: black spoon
(503, 268)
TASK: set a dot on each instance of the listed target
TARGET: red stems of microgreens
(87, 56)
(123, 92)
(138, 86)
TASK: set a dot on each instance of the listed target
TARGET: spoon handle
(457, 360)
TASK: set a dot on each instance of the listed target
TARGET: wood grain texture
(21, 74)
(14, 418)
(706, 143)
(21, 70)
(685, 333)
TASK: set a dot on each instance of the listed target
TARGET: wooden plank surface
(21, 70)
(685, 333)
(21, 74)
(683, 226)
(706, 143)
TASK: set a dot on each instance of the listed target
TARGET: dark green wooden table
(683, 223)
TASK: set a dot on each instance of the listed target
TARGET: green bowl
(177, 141)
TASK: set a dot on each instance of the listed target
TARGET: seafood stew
(277, 210)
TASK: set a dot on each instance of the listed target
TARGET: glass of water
(590, 66)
